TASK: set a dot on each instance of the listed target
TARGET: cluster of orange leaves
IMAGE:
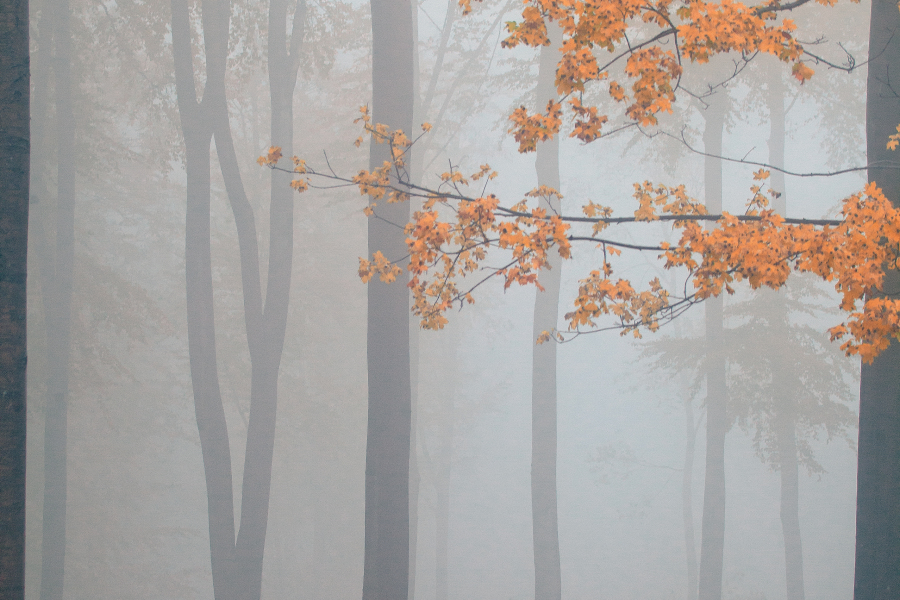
(452, 234)
(450, 238)
(699, 28)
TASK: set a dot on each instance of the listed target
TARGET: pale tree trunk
(236, 560)
(545, 527)
(442, 507)
(56, 280)
(785, 405)
(687, 497)
(386, 564)
(14, 170)
(712, 543)
(878, 479)
(446, 424)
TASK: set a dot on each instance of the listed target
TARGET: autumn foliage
(452, 236)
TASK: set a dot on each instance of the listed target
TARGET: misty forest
(450, 300)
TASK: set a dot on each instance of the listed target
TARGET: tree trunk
(57, 290)
(547, 576)
(14, 171)
(687, 497)
(386, 565)
(878, 479)
(790, 496)
(782, 395)
(712, 543)
(236, 561)
(442, 503)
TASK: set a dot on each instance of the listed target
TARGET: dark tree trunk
(878, 479)
(236, 561)
(712, 543)
(57, 291)
(14, 170)
(687, 497)
(386, 566)
(785, 405)
(547, 576)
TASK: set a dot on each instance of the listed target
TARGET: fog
(204, 387)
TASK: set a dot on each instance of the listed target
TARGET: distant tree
(55, 250)
(386, 568)
(237, 557)
(545, 518)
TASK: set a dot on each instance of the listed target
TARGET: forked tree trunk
(14, 170)
(386, 563)
(878, 479)
(712, 544)
(547, 576)
(236, 560)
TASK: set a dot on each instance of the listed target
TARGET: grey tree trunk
(442, 503)
(386, 564)
(790, 489)
(236, 561)
(687, 497)
(878, 479)
(56, 284)
(785, 405)
(712, 543)
(14, 172)
(547, 576)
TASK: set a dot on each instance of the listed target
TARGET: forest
(438, 300)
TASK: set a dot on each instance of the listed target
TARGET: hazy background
(136, 507)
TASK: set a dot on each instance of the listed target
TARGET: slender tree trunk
(14, 171)
(712, 544)
(785, 405)
(442, 503)
(58, 293)
(197, 130)
(775, 101)
(386, 566)
(547, 576)
(687, 496)
(878, 479)
(415, 477)
(790, 495)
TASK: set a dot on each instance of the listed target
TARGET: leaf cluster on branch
(450, 238)
(452, 235)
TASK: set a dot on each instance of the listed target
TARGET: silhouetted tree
(14, 169)
(878, 481)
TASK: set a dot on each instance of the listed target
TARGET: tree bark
(386, 564)
(712, 543)
(545, 527)
(878, 480)
(14, 173)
